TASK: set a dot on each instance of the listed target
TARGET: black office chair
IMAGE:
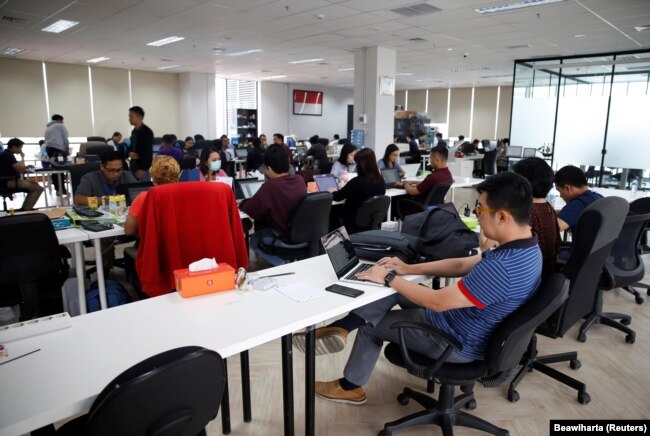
(95, 139)
(308, 175)
(8, 193)
(406, 207)
(642, 206)
(436, 194)
(504, 350)
(98, 150)
(188, 163)
(308, 223)
(83, 148)
(596, 232)
(372, 213)
(78, 171)
(174, 393)
(490, 163)
(33, 266)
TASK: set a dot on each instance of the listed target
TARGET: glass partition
(589, 111)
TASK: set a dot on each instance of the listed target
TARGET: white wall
(197, 105)
(276, 111)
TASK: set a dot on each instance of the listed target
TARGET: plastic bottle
(634, 186)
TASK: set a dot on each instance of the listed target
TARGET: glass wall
(590, 111)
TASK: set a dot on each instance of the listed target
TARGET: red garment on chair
(183, 222)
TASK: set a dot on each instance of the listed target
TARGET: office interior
(570, 78)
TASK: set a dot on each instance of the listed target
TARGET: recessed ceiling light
(346, 69)
(245, 73)
(403, 74)
(12, 51)
(60, 26)
(580, 35)
(450, 49)
(305, 61)
(165, 41)
(244, 52)
(279, 76)
(168, 67)
(644, 28)
(514, 5)
(97, 60)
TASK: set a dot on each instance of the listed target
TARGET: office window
(240, 94)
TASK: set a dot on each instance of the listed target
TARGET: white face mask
(215, 165)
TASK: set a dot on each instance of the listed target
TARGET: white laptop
(410, 170)
(227, 180)
(344, 259)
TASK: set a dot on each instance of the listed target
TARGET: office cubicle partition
(591, 111)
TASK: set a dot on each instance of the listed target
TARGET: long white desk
(75, 364)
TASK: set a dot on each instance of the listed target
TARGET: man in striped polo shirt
(494, 284)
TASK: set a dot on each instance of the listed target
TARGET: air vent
(468, 69)
(638, 68)
(166, 60)
(514, 47)
(219, 50)
(416, 39)
(415, 10)
(643, 28)
(12, 19)
(626, 58)
(323, 63)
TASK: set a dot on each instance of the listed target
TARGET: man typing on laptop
(494, 284)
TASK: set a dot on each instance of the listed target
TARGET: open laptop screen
(241, 153)
(513, 151)
(325, 182)
(529, 152)
(390, 175)
(340, 251)
(250, 187)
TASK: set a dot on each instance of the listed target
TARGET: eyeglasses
(482, 209)
(113, 170)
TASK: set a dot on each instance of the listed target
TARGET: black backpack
(440, 233)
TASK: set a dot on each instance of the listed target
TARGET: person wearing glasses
(104, 181)
(493, 285)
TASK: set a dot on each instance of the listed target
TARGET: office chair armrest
(422, 371)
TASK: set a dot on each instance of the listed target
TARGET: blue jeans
(371, 336)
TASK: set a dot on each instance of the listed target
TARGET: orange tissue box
(190, 284)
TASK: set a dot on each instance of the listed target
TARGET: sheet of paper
(300, 292)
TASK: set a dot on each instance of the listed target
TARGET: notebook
(325, 182)
(344, 259)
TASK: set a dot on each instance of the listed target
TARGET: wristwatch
(389, 278)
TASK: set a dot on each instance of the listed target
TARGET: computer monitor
(514, 151)
(325, 182)
(493, 145)
(241, 153)
(131, 190)
(529, 152)
(250, 187)
(391, 176)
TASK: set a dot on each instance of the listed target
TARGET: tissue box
(190, 284)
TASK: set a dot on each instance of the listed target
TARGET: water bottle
(634, 186)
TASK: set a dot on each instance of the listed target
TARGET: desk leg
(101, 284)
(287, 384)
(452, 194)
(310, 376)
(225, 402)
(246, 386)
(79, 267)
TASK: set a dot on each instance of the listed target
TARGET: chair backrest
(406, 207)
(190, 175)
(78, 171)
(595, 234)
(437, 194)
(176, 392)
(310, 219)
(308, 175)
(372, 212)
(510, 339)
(188, 163)
(95, 139)
(98, 150)
(640, 206)
(157, 140)
(490, 163)
(83, 147)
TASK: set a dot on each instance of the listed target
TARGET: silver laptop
(326, 181)
(410, 170)
(341, 253)
(250, 187)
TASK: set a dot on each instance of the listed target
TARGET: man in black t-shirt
(11, 172)
(141, 153)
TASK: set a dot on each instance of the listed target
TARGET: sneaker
(328, 340)
(332, 391)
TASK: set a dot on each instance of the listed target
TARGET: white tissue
(203, 264)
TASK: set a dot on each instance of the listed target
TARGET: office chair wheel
(630, 338)
(626, 321)
(584, 398)
(471, 405)
(385, 433)
(582, 337)
(403, 399)
(639, 299)
(575, 364)
(513, 396)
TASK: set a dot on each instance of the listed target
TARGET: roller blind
(438, 105)
(459, 111)
(69, 94)
(158, 95)
(111, 101)
(400, 98)
(417, 100)
(505, 107)
(485, 109)
(22, 97)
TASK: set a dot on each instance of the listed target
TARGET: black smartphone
(344, 290)
(94, 226)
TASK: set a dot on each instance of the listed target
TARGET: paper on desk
(300, 292)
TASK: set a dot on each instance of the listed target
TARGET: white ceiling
(289, 30)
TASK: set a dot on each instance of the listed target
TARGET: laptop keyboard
(363, 267)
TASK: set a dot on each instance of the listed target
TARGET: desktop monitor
(241, 153)
(514, 151)
(529, 152)
(325, 182)
(391, 176)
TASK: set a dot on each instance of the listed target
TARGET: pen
(277, 275)
(22, 355)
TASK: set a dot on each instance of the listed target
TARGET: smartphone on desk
(344, 290)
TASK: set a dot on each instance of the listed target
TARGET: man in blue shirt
(12, 171)
(571, 182)
(494, 284)
(440, 142)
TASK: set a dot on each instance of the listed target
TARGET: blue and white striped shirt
(501, 282)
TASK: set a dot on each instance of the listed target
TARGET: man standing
(141, 153)
(11, 173)
(57, 147)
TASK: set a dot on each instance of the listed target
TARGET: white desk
(75, 237)
(76, 363)
(623, 193)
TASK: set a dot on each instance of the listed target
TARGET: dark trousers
(57, 179)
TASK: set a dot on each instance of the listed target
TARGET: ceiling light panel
(97, 60)
(60, 26)
(306, 61)
(244, 52)
(168, 67)
(503, 7)
(165, 41)
(12, 51)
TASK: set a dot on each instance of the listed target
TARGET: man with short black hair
(167, 148)
(494, 284)
(225, 143)
(441, 174)
(440, 142)
(278, 139)
(141, 153)
(57, 147)
(571, 182)
(115, 140)
(103, 181)
(273, 204)
(414, 150)
(11, 172)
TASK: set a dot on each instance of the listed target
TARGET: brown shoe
(332, 391)
(328, 340)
